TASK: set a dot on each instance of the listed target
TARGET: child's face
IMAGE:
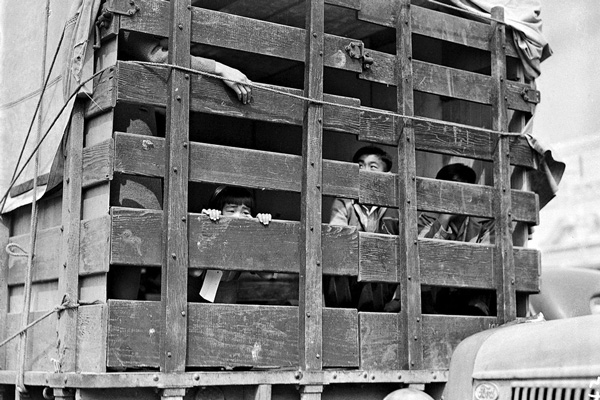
(371, 162)
(236, 211)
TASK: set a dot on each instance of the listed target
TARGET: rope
(8, 250)
(66, 304)
(268, 88)
(37, 107)
(73, 94)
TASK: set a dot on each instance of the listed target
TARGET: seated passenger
(232, 202)
(343, 291)
(451, 226)
(460, 228)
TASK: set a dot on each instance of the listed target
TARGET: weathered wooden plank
(28, 185)
(105, 93)
(68, 276)
(135, 237)
(135, 240)
(91, 338)
(228, 335)
(238, 244)
(378, 257)
(379, 340)
(47, 258)
(457, 264)
(527, 270)
(504, 267)
(408, 265)
(525, 206)
(4, 295)
(454, 197)
(450, 82)
(98, 163)
(41, 347)
(379, 188)
(441, 335)
(95, 246)
(139, 155)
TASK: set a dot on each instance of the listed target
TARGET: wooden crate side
(94, 246)
(442, 333)
(46, 258)
(91, 338)
(4, 295)
(42, 353)
(227, 335)
(97, 163)
(135, 237)
(379, 339)
(528, 266)
(457, 264)
(378, 257)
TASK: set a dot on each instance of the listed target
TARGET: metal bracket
(110, 8)
(531, 95)
(356, 50)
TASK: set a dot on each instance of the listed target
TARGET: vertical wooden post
(504, 273)
(311, 275)
(410, 339)
(175, 242)
(4, 235)
(68, 278)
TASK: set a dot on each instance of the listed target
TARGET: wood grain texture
(41, 347)
(46, 260)
(228, 335)
(442, 333)
(92, 324)
(457, 264)
(527, 269)
(135, 237)
(95, 246)
(378, 257)
(379, 340)
(97, 163)
(139, 155)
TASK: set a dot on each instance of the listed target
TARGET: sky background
(569, 83)
(567, 120)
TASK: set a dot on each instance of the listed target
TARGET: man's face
(236, 211)
(371, 162)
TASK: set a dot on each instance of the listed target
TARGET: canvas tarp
(30, 34)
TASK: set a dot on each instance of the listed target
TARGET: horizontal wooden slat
(458, 264)
(142, 155)
(442, 137)
(380, 336)
(442, 333)
(46, 257)
(454, 29)
(136, 240)
(41, 342)
(527, 269)
(93, 255)
(228, 335)
(247, 245)
(97, 163)
(378, 257)
(135, 83)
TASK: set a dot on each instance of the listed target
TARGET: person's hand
(264, 218)
(231, 78)
(214, 215)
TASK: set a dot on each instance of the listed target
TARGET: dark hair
(458, 173)
(374, 150)
(231, 195)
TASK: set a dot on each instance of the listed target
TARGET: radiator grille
(554, 393)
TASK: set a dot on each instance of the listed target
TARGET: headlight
(485, 391)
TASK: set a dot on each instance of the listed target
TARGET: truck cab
(530, 360)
